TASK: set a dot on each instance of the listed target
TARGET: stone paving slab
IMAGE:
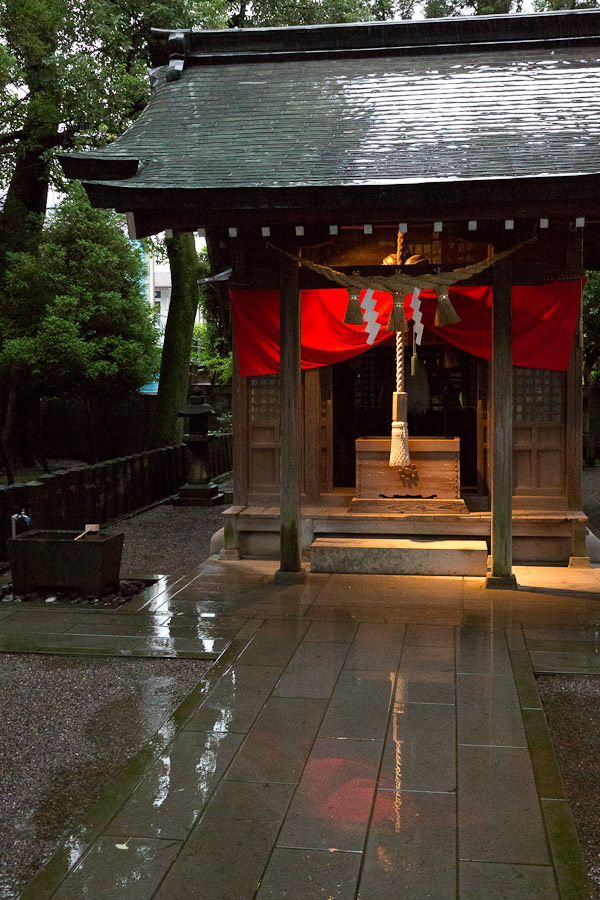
(173, 794)
(320, 759)
(226, 853)
(310, 875)
(332, 805)
(237, 700)
(359, 705)
(411, 850)
(108, 871)
(496, 797)
(278, 745)
(497, 881)
(375, 646)
(420, 751)
(24, 629)
(488, 711)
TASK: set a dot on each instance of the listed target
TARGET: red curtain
(544, 322)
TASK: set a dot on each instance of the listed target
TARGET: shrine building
(408, 210)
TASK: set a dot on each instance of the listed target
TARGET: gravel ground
(168, 540)
(69, 726)
(572, 705)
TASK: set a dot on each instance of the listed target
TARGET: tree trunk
(36, 436)
(16, 428)
(216, 296)
(22, 217)
(10, 478)
(92, 436)
(589, 442)
(21, 223)
(179, 330)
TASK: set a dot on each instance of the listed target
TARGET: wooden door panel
(522, 469)
(549, 470)
(264, 442)
(326, 431)
(539, 469)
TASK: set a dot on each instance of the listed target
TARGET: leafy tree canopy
(436, 9)
(557, 5)
(74, 318)
(311, 12)
(73, 75)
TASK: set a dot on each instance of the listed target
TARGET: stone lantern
(198, 491)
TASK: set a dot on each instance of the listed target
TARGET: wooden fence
(107, 490)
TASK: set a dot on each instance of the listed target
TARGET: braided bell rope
(399, 362)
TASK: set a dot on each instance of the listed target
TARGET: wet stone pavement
(358, 738)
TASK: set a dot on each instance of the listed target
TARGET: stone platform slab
(398, 556)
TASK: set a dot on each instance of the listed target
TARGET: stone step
(398, 556)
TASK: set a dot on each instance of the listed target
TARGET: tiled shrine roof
(402, 103)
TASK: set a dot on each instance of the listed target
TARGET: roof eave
(167, 207)
(86, 166)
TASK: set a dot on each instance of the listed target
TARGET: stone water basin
(54, 559)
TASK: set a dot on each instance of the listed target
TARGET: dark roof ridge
(426, 35)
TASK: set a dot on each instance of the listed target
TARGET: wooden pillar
(574, 411)
(240, 401)
(289, 314)
(502, 415)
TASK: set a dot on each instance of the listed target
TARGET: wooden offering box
(436, 460)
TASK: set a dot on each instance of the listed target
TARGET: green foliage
(314, 12)
(73, 319)
(557, 5)
(591, 328)
(224, 423)
(73, 73)
(435, 9)
(211, 353)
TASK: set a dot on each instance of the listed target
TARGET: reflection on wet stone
(411, 850)
(173, 794)
(332, 805)
(110, 873)
(277, 747)
(237, 699)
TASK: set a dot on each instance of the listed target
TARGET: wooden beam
(502, 414)
(549, 196)
(289, 313)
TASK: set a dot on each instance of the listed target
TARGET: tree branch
(12, 136)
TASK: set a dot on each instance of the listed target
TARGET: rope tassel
(445, 313)
(354, 314)
(397, 320)
(399, 455)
